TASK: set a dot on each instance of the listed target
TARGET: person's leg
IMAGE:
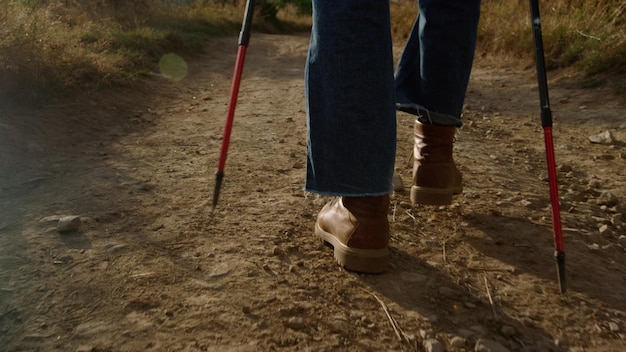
(434, 69)
(350, 99)
(431, 81)
(351, 128)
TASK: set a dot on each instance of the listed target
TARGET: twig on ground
(588, 36)
(393, 215)
(484, 268)
(493, 308)
(400, 334)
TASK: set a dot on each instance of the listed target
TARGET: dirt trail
(153, 269)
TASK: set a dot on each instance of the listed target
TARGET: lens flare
(173, 67)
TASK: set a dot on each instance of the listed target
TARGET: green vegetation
(57, 46)
(588, 35)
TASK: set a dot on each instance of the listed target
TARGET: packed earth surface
(146, 264)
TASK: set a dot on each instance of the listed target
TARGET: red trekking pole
(546, 122)
(244, 38)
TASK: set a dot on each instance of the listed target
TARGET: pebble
(565, 168)
(604, 138)
(607, 198)
(339, 324)
(508, 331)
(622, 240)
(295, 323)
(605, 230)
(69, 223)
(613, 327)
(617, 220)
(458, 342)
(220, 270)
(433, 345)
(489, 346)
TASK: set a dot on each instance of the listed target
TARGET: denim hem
(429, 117)
(341, 194)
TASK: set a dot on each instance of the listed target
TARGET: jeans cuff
(429, 117)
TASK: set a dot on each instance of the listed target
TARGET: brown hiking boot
(435, 176)
(358, 230)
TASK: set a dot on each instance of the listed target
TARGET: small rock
(565, 168)
(526, 203)
(604, 138)
(613, 327)
(508, 331)
(607, 198)
(432, 345)
(489, 346)
(617, 220)
(69, 223)
(458, 342)
(622, 240)
(339, 324)
(469, 305)
(296, 323)
(220, 270)
(605, 230)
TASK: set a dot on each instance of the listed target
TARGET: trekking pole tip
(219, 176)
(560, 266)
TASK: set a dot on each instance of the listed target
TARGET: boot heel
(430, 196)
(372, 261)
(363, 261)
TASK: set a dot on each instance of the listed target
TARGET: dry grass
(588, 35)
(65, 45)
(58, 46)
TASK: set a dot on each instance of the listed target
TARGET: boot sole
(370, 261)
(432, 196)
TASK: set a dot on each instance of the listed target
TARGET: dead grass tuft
(58, 46)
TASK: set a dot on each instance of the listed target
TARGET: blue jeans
(352, 92)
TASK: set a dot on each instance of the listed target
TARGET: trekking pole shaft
(546, 114)
(234, 92)
(244, 38)
(546, 122)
